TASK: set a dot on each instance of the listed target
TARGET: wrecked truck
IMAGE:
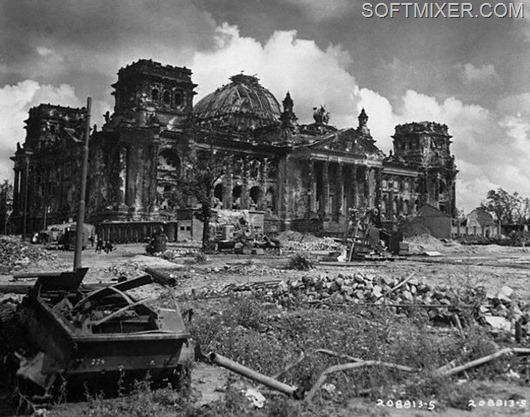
(63, 335)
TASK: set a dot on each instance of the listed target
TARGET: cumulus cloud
(472, 74)
(516, 105)
(314, 76)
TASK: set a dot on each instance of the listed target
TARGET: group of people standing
(105, 245)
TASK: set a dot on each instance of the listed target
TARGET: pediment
(347, 141)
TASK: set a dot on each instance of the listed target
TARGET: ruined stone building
(302, 177)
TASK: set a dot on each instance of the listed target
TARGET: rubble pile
(498, 310)
(14, 254)
(297, 241)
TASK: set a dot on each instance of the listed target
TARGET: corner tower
(426, 146)
(148, 92)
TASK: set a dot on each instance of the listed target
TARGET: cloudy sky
(471, 73)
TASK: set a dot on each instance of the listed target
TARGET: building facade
(302, 177)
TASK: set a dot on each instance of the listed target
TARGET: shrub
(301, 261)
(200, 257)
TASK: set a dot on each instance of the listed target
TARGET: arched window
(255, 195)
(218, 191)
(442, 186)
(384, 207)
(179, 100)
(270, 199)
(154, 94)
(167, 97)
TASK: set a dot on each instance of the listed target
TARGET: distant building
(302, 177)
(478, 223)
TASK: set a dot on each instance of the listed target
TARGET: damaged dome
(243, 104)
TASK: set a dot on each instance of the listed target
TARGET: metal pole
(26, 189)
(82, 192)
(251, 374)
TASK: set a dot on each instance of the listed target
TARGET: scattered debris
(15, 255)
(344, 367)
(256, 397)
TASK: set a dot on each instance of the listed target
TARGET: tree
(203, 167)
(6, 204)
(508, 208)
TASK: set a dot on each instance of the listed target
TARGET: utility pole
(82, 192)
(26, 192)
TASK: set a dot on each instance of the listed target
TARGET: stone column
(366, 186)
(244, 185)
(139, 173)
(153, 183)
(378, 182)
(348, 189)
(339, 192)
(23, 189)
(263, 184)
(311, 188)
(16, 191)
(123, 178)
(390, 208)
(355, 186)
(227, 188)
(324, 198)
(453, 197)
(130, 177)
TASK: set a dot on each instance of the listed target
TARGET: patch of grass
(301, 261)
(267, 338)
(200, 257)
(143, 401)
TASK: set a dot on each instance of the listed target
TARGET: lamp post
(82, 192)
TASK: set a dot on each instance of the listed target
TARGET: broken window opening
(154, 94)
(167, 97)
(218, 191)
(168, 160)
(179, 100)
(255, 195)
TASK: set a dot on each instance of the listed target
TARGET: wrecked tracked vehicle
(92, 340)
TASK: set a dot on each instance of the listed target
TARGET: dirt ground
(489, 266)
